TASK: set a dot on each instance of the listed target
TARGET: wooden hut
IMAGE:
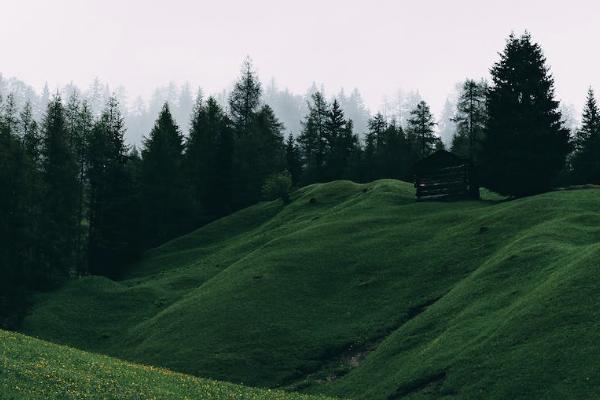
(444, 176)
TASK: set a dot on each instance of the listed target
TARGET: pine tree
(30, 134)
(244, 100)
(470, 119)
(374, 142)
(165, 205)
(60, 198)
(208, 159)
(293, 159)
(420, 131)
(312, 140)
(259, 154)
(111, 195)
(586, 157)
(340, 143)
(395, 153)
(525, 144)
(14, 223)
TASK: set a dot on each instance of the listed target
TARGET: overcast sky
(377, 46)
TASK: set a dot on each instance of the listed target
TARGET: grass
(33, 369)
(358, 291)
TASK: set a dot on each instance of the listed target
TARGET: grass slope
(33, 369)
(364, 293)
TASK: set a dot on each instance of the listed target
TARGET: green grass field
(32, 369)
(358, 291)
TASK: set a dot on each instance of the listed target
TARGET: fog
(390, 51)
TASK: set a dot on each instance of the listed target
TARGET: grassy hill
(32, 369)
(359, 291)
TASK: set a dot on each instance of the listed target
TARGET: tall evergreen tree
(420, 130)
(59, 202)
(15, 242)
(340, 143)
(395, 153)
(374, 142)
(293, 159)
(470, 120)
(111, 197)
(313, 140)
(586, 157)
(208, 159)
(525, 144)
(164, 198)
(244, 100)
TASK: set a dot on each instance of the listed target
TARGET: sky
(378, 46)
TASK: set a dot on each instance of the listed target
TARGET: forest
(78, 200)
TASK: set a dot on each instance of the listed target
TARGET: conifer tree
(525, 144)
(59, 202)
(293, 159)
(395, 153)
(420, 131)
(586, 157)
(111, 195)
(208, 159)
(470, 120)
(373, 146)
(164, 198)
(340, 143)
(312, 140)
(244, 100)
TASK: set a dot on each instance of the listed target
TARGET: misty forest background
(88, 184)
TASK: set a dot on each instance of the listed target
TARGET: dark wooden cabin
(445, 176)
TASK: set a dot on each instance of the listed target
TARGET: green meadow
(350, 290)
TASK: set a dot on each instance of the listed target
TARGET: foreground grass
(32, 369)
(358, 291)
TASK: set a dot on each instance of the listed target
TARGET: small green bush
(278, 186)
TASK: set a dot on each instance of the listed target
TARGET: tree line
(77, 200)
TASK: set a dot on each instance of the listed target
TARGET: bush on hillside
(278, 186)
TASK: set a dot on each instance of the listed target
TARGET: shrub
(278, 186)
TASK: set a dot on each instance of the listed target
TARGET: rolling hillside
(358, 291)
(32, 369)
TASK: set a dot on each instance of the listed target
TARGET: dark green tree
(165, 201)
(374, 142)
(208, 160)
(17, 223)
(586, 157)
(525, 144)
(112, 199)
(340, 143)
(313, 140)
(420, 130)
(293, 159)
(59, 217)
(244, 100)
(470, 120)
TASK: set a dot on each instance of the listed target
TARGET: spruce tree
(470, 120)
(420, 129)
(111, 195)
(165, 202)
(244, 99)
(60, 222)
(293, 159)
(340, 143)
(312, 140)
(586, 157)
(208, 160)
(525, 144)
(395, 153)
(374, 141)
